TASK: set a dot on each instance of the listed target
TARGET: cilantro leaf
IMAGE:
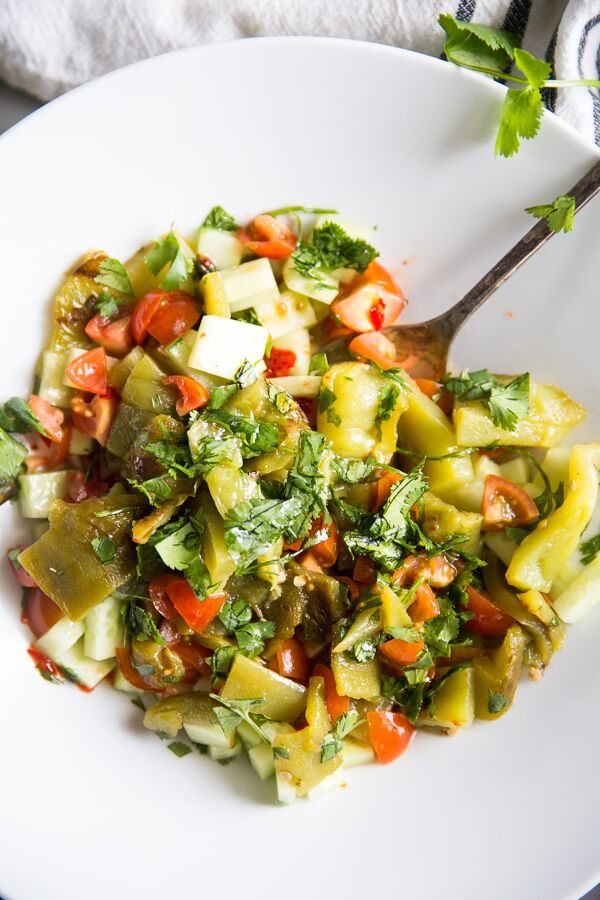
(392, 520)
(496, 701)
(318, 364)
(104, 548)
(363, 651)
(179, 748)
(559, 214)
(520, 117)
(507, 403)
(230, 713)
(353, 471)
(306, 483)
(251, 637)
(234, 614)
(477, 46)
(169, 251)
(180, 548)
(325, 402)
(12, 454)
(589, 550)
(535, 70)
(106, 305)
(252, 527)
(198, 577)
(256, 436)
(338, 250)
(220, 219)
(440, 631)
(17, 416)
(332, 744)
(113, 274)
(156, 490)
(139, 623)
(220, 662)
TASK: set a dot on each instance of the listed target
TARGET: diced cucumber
(261, 760)
(249, 284)
(357, 754)
(80, 444)
(12, 455)
(556, 465)
(223, 247)
(248, 736)
(484, 466)
(272, 730)
(120, 683)
(516, 470)
(468, 497)
(174, 358)
(298, 342)
(210, 734)
(38, 491)
(52, 387)
(88, 672)
(286, 792)
(220, 753)
(223, 345)
(60, 637)
(570, 572)
(288, 313)
(324, 288)
(500, 543)
(336, 779)
(120, 372)
(103, 630)
(298, 385)
(581, 595)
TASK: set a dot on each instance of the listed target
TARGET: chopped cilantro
(220, 219)
(179, 748)
(252, 527)
(106, 305)
(234, 614)
(256, 436)
(338, 250)
(113, 274)
(507, 403)
(559, 214)
(318, 364)
(104, 548)
(220, 662)
(168, 251)
(251, 637)
(325, 402)
(589, 550)
(306, 483)
(353, 471)
(139, 623)
(496, 701)
(332, 743)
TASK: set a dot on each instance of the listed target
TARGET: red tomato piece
(369, 308)
(95, 418)
(130, 672)
(175, 314)
(115, 336)
(375, 347)
(193, 657)
(195, 613)
(40, 612)
(425, 605)
(292, 660)
(157, 591)
(143, 312)
(326, 552)
(267, 236)
(89, 372)
(375, 273)
(488, 619)
(80, 488)
(505, 503)
(364, 570)
(337, 704)
(391, 734)
(193, 394)
(401, 653)
(279, 363)
(49, 417)
(22, 575)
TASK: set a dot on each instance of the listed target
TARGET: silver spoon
(430, 341)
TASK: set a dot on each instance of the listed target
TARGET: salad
(277, 555)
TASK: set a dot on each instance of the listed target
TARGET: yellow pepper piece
(282, 699)
(393, 611)
(359, 680)
(215, 298)
(424, 428)
(453, 705)
(542, 555)
(552, 413)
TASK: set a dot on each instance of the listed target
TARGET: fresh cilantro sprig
(220, 219)
(104, 548)
(306, 484)
(252, 527)
(113, 274)
(507, 403)
(168, 251)
(332, 743)
(331, 248)
(559, 214)
(492, 52)
(139, 623)
(231, 713)
(589, 550)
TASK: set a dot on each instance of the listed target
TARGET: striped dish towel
(48, 47)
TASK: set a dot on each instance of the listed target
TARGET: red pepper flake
(280, 362)
(377, 314)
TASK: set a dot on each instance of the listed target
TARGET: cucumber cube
(223, 345)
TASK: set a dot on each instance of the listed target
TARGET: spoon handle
(453, 318)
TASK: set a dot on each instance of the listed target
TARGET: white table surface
(14, 106)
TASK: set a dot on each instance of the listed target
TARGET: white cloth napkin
(49, 46)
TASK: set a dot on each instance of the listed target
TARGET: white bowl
(92, 805)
